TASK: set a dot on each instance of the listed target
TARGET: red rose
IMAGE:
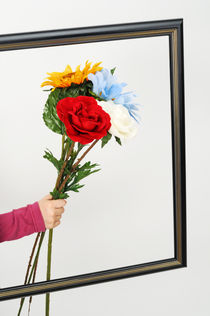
(83, 118)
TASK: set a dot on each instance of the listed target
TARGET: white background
(180, 292)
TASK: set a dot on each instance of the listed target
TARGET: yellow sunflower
(66, 78)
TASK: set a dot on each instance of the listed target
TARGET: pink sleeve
(21, 222)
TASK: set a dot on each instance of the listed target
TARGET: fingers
(54, 221)
(51, 210)
(59, 203)
(59, 211)
(53, 224)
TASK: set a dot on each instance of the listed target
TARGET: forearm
(21, 222)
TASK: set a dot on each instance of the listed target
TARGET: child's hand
(51, 210)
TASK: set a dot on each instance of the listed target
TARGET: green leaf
(76, 187)
(83, 174)
(57, 195)
(50, 116)
(87, 166)
(68, 141)
(57, 163)
(80, 147)
(112, 70)
(118, 140)
(105, 139)
(80, 173)
(76, 89)
(69, 164)
(63, 195)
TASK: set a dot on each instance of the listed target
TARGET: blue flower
(126, 99)
(105, 84)
(107, 88)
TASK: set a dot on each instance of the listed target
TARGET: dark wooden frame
(174, 30)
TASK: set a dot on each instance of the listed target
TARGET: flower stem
(33, 280)
(62, 149)
(29, 265)
(31, 257)
(76, 164)
(32, 270)
(43, 233)
(64, 165)
(49, 255)
(63, 183)
(49, 251)
(84, 154)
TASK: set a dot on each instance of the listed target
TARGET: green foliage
(80, 173)
(73, 157)
(50, 116)
(76, 89)
(118, 140)
(105, 139)
(63, 195)
(112, 70)
(68, 141)
(75, 187)
(67, 145)
(69, 164)
(57, 195)
(57, 163)
(80, 147)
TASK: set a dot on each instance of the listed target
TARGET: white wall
(178, 292)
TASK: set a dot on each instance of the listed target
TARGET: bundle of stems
(66, 153)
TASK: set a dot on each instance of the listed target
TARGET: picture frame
(173, 29)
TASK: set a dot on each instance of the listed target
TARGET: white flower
(123, 125)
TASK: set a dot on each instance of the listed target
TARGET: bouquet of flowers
(83, 106)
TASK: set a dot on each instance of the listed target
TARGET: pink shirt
(21, 222)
